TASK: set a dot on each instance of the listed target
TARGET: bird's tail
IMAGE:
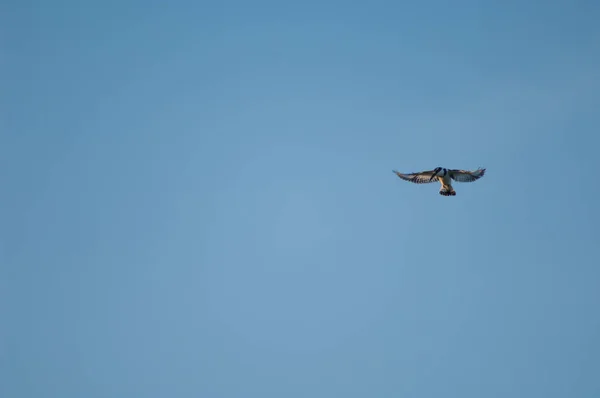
(447, 191)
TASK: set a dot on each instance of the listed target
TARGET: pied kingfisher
(444, 176)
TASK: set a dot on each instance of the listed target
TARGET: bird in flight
(444, 176)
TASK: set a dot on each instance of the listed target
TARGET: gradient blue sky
(198, 199)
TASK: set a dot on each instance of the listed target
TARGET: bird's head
(436, 172)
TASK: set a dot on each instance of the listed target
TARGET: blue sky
(198, 199)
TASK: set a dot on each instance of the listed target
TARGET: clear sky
(198, 199)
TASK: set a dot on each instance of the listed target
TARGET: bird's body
(444, 176)
(446, 182)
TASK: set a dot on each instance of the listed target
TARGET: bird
(444, 176)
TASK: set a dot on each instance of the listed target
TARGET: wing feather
(465, 175)
(423, 177)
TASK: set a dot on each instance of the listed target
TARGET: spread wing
(423, 177)
(466, 176)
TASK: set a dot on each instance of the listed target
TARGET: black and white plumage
(444, 176)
